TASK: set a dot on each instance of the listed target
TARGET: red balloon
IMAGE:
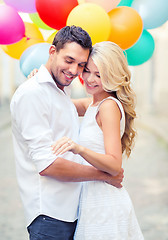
(55, 12)
(81, 79)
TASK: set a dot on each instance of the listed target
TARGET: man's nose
(74, 69)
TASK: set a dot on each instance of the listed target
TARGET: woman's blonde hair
(115, 77)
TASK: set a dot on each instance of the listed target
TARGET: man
(41, 113)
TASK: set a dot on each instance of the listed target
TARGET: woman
(106, 134)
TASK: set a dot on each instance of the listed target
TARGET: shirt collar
(43, 76)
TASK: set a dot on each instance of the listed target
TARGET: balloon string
(28, 38)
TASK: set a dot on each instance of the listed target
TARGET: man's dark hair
(72, 34)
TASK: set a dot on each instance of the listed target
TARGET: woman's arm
(81, 105)
(109, 121)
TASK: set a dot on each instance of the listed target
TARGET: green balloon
(142, 50)
(127, 3)
(37, 20)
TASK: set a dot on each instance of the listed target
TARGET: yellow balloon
(93, 19)
(32, 36)
(51, 37)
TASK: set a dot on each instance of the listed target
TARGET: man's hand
(116, 180)
(32, 73)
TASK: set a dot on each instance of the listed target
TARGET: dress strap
(119, 105)
(114, 99)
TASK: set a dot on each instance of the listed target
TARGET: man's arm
(64, 170)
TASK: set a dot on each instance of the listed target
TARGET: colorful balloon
(27, 6)
(32, 36)
(154, 13)
(34, 57)
(51, 37)
(108, 5)
(127, 3)
(81, 1)
(55, 13)
(81, 79)
(126, 26)
(142, 50)
(92, 18)
(37, 20)
(12, 28)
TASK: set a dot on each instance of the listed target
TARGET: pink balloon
(27, 6)
(108, 5)
(12, 28)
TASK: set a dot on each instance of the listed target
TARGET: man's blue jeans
(47, 228)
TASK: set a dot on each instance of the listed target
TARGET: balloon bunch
(125, 22)
(154, 14)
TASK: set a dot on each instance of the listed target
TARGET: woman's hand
(65, 144)
(32, 73)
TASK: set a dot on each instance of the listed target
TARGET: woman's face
(91, 78)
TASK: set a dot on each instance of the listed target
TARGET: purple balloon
(12, 28)
(27, 6)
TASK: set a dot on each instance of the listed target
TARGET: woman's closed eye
(86, 70)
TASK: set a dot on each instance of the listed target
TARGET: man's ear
(52, 50)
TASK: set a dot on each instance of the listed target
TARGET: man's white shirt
(42, 113)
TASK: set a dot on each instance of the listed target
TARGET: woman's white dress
(105, 212)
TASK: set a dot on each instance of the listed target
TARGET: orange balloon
(32, 36)
(126, 26)
(108, 5)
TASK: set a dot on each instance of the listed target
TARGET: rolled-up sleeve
(32, 115)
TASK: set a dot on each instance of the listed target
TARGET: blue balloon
(154, 13)
(33, 57)
(142, 50)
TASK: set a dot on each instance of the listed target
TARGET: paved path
(146, 180)
(12, 222)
